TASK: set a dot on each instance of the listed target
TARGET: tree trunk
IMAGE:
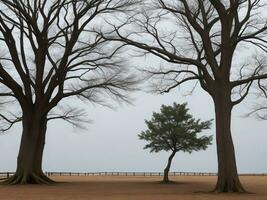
(29, 161)
(228, 180)
(167, 169)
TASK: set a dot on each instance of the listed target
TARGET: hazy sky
(111, 142)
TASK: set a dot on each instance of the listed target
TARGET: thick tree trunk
(228, 180)
(29, 161)
(167, 169)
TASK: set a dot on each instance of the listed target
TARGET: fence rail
(5, 175)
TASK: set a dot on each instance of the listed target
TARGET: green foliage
(176, 130)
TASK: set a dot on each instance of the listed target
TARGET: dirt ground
(132, 188)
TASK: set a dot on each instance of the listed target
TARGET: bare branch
(54, 49)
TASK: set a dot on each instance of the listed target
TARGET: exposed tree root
(32, 178)
(225, 187)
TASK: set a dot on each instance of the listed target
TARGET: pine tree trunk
(167, 169)
(29, 161)
(228, 180)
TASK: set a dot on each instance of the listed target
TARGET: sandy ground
(132, 188)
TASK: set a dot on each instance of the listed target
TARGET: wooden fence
(5, 175)
(129, 174)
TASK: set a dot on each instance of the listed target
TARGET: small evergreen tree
(173, 129)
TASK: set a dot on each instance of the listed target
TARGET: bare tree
(259, 107)
(50, 50)
(201, 41)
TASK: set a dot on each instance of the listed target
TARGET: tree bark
(167, 169)
(29, 161)
(228, 180)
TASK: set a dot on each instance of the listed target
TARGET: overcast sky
(111, 142)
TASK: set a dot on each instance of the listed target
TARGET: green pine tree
(174, 129)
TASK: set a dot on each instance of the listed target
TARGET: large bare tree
(50, 50)
(211, 42)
